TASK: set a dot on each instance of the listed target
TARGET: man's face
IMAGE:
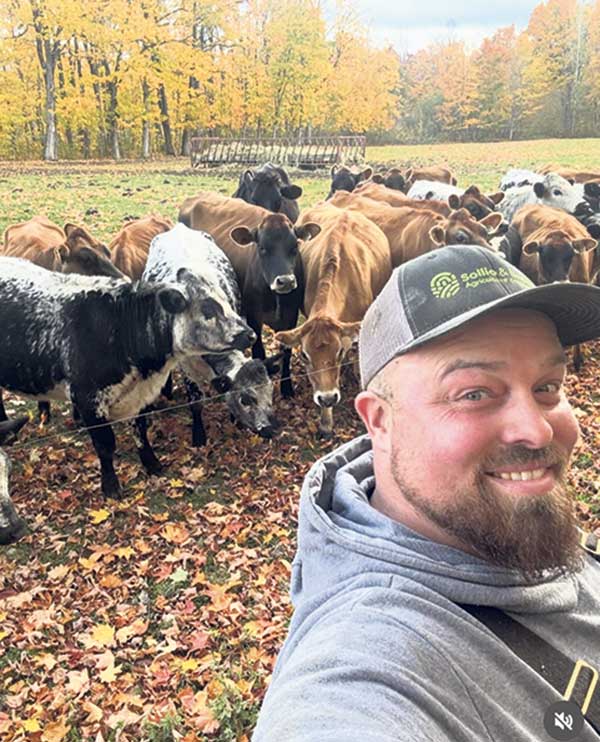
(481, 436)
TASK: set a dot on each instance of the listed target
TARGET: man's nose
(527, 424)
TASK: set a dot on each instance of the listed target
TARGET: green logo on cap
(444, 285)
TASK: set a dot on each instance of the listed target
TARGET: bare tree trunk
(48, 54)
(165, 120)
(146, 122)
(186, 142)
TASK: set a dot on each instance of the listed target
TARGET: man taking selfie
(442, 588)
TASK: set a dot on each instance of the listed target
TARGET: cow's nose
(285, 284)
(268, 431)
(327, 399)
(244, 339)
(502, 228)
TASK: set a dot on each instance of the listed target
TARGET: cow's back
(346, 265)
(130, 246)
(35, 240)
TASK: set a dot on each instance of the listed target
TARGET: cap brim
(573, 307)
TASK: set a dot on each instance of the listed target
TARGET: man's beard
(530, 533)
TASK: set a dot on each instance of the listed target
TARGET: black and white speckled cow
(106, 345)
(246, 384)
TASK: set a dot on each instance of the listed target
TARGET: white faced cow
(550, 190)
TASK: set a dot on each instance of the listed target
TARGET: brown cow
(435, 172)
(575, 176)
(72, 250)
(412, 232)
(345, 267)
(555, 247)
(129, 247)
(263, 248)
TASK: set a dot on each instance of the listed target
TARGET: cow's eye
(246, 400)
(211, 308)
(461, 237)
(556, 192)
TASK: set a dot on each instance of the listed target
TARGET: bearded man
(442, 588)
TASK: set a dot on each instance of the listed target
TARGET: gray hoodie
(378, 650)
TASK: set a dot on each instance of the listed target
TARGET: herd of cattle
(104, 327)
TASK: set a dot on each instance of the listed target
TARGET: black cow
(391, 178)
(270, 187)
(344, 179)
(105, 344)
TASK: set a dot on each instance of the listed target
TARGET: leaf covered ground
(159, 617)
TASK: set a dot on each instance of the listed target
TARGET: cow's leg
(3, 415)
(44, 411)
(11, 526)
(577, 357)
(195, 397)
(326, 423)
(167, 390)
(103, 439)
(286, 388)
(147, 456)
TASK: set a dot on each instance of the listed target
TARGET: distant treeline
(116, 78)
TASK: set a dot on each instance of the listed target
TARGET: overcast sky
(410, 25)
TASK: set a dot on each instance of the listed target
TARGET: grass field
(159, 618)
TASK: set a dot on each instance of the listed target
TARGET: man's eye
(476, 395)
(551, 387)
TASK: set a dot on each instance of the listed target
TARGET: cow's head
(250, 399)
(277, 248)
(393, 179)
(345, 179)
(11, 526)
(459, 228)
(554, 190)
(264, 188)
(323, 344)
(555, 254)
(478, 204)
(203, 320)
(81, 253)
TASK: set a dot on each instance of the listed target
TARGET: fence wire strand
(210, 400)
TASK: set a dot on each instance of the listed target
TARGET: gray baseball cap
(441, 290)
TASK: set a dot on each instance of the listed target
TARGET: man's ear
(376, 415)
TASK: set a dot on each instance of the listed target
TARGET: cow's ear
(69, 228)
(289, 338)
(408, 174)
(496, 197)
(592, 189)
(307, 231)
(64, 251)
(530, 248)
(584, 245)
(173, 300)
(438, 235)
(474, 190)
(291, 191)
(334, 170)
(243, 235)
(453, 181)
(539, 189)
(454, 201)
(248, 176)
(492, 221)
(378, 178)
(350, 332)
(104, 250)
(365, 175)
(594, 230)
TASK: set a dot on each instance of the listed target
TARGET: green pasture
(102, 194)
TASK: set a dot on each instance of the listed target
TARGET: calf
(264, 251)
(412, 232)
(435, 172)
(549, 245)
(345, 179)
(270, 187)
(129, 247)
(551, 190)
(107, 345)
(72, 250)
(200, 257)
(346, 266)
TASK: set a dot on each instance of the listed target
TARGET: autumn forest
(83, 79)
